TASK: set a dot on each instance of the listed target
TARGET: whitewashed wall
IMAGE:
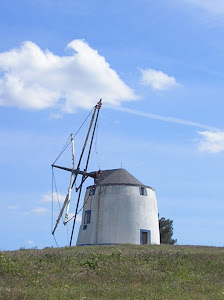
(118, 212)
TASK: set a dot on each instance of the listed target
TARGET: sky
(158, 67)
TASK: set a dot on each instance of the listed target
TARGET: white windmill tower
(117, 209)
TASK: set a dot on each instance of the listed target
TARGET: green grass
(113, 272)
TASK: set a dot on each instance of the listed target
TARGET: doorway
(145, 237)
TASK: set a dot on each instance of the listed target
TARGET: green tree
(166, 231)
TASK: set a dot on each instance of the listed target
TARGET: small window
(92, 191)
(84, 227)
(142, 191)
(87, 218)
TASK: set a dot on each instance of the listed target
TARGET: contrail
(165, 119)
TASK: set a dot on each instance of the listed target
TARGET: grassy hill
(113, 272)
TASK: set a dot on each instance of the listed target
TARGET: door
(145, 237)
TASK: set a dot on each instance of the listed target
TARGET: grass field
(113, 272)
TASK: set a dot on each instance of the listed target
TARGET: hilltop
(113, 272)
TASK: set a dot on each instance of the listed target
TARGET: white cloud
(56, 196)
(61, 198)
(30, 242)
(39, 210)
(212, 142)
(211, 6)
(157, 80)
(37, 79)
(56, 116)
(12, 207)
(165, 118)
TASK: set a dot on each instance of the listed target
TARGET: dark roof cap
(118, 177)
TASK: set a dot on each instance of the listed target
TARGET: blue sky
(158, 67)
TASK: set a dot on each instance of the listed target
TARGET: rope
(63, 149)
(55, 188)
(84, 122)
(96, 147)
(52, 198)
(68, 142)
(67, 235)
(81, 207)
(55, 241)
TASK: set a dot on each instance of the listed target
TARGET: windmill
(76, 171)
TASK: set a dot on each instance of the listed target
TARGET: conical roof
(117, 177)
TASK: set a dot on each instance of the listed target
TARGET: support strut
(76, 171)
(98, 106)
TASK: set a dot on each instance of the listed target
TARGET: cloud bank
(157, 80)
(57, 197)
(211, 6)
(38, 210)
(31, 78)
(212, 142)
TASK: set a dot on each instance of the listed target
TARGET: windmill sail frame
(75, 171)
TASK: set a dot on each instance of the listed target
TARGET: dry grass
(113, 272)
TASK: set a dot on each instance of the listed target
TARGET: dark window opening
(143, 191)
(87, 217)
(92, 191)
(84, 227)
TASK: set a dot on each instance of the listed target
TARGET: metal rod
(81, 183)
(91, 143)
(84, 146)
(76, 171)
(77, 206)
(71, 180)
(98, 106)
(62, 168)
(60, 214)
